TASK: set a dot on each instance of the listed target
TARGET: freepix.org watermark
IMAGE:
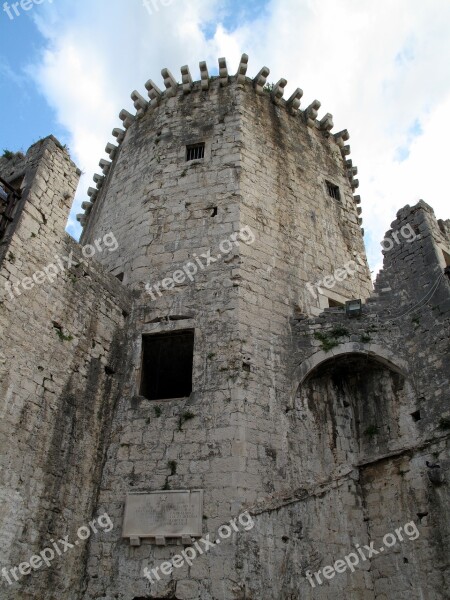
(202, 546)
(57, 549)
(51, 271)
(13, 10)
(351, 267)
(153, 6)
(364, 553)
(191, 268)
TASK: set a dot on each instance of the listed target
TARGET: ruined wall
(369, 410)
(60, 359)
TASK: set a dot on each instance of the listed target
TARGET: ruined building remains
(193, 366)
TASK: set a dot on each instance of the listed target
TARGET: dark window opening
(195, 151)
(416, 416)
(167, 361)
(334, 304)
(120, 276)
(333, 190)
(214, 211)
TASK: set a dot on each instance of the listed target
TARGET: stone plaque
(165, 514)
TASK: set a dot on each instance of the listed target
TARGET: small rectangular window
(333, 190)
(195, 151)
(167, 361)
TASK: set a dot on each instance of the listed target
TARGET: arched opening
(349, 408)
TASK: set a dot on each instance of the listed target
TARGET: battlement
(157, 98)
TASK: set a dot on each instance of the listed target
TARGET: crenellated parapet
(274, 93)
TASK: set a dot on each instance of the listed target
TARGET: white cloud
(380, 68)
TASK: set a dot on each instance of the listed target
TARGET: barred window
(333, 190)
(195, 151)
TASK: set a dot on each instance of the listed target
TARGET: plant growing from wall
(330, 340)
(60, 334)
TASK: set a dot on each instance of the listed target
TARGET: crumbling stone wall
(368, 428)
(60, 365)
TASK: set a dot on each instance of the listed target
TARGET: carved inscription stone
(165, 514)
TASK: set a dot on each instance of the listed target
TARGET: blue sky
(67, 68)
(29, 116)
(26, 114)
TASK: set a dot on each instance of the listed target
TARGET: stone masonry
(234, 217)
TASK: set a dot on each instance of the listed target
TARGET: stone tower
(212, 380)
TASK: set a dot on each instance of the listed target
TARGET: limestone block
(223, 72)
(260, 80)
(105, 165)
(111, 149)
(119, 134)
(278, 91)
(326, 123)
(87, 206)
(140, 104)
(127, 118)
(204, 76)
(293, 103)
(242, 69)
(186, 79)
(311, 113)
(92, 193)
(170, 82)
(154, 93)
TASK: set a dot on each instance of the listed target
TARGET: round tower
(234, 214)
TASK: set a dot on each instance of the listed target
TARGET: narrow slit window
(195, 151)
(167, 361)
(333, 191)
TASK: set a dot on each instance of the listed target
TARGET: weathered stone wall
(60, 359)
(162, 209)
(264, 169)
(320, 425)
(371, 411)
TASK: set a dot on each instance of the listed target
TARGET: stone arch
(379, 353)
(350, 405)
